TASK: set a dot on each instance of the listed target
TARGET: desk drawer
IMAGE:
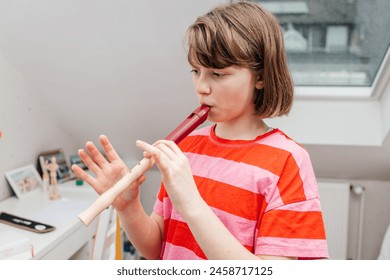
(69, 245)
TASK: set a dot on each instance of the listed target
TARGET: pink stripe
(301, 157)
(311, 205)
(159, 208)
(293, 247)
(166, 210)
(252, 178)
(241, 228)
(172, 252)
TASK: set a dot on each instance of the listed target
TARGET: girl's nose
(202, 86)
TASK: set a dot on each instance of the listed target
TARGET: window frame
(375, 91)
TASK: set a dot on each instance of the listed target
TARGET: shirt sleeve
(295, 227)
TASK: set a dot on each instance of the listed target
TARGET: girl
(237, 189)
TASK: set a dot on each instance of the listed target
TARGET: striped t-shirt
(263, 190)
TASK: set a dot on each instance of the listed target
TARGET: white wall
(149, 189)
(28, 127)
(334, 122)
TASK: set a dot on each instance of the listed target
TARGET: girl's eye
(218, 74)
(195, 71)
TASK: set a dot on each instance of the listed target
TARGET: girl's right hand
(107, 171)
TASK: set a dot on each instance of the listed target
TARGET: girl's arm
(143, 231)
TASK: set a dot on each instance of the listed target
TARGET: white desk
(70, 234)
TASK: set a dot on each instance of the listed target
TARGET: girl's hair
(245, 34)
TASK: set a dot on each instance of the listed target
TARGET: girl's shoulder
(280, 140)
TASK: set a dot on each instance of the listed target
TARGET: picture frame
(24, 181)
(64, 173)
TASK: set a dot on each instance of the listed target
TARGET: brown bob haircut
(245, 34)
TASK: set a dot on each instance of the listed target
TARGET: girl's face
(229, 91)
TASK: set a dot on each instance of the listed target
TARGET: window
(334, 42)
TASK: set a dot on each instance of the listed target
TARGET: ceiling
(119, 68)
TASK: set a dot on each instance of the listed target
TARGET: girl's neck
(242, 130)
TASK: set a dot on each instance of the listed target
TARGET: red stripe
(290, 184)
(292, 224)
(231, 199)
(161, 193)
(179, 234)
(271, 159)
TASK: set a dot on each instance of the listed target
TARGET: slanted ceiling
(112, 67)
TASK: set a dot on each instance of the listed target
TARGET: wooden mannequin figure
(45, 175)
(52, 167)
(45, 179)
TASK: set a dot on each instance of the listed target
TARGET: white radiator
(335, 207)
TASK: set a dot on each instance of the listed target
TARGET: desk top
(62, 214)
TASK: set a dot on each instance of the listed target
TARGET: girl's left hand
(175, 172)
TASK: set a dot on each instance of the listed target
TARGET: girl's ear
(259, 82)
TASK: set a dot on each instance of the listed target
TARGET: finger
(155, 153)
(149, 150)
(174, 150)
(167, 151)
(172, 146)
(80, 173)
(141, 180)
(95, 154)
(147, 154)
(88, 161)
(108, 148)
(158, 154)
